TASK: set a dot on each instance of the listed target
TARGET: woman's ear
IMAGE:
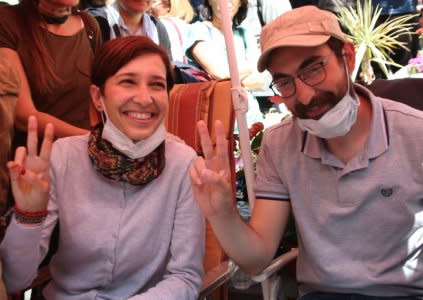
(96, 97)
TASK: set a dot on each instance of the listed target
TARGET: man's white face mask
(338, 120)
(125, 145)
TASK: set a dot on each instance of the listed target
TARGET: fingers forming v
(47, 142)
(221, 142)
(16, 168)
(196, 169)
(32, 140)
(206, 143)
(20, 155)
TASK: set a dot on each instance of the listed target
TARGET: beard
(322, 98)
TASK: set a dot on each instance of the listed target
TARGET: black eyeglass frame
(314, 67)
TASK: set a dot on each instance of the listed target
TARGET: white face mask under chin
(335, 122)
(125, 145)
(338, 120)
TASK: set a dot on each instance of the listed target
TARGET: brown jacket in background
(9, 88)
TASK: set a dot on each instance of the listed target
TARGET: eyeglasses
(311, 75)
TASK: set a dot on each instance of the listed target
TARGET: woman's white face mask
(125, 145)
(338, 120)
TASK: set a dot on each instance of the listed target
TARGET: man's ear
(349, 56)
(96, 97)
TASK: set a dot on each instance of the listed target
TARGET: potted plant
(374, 43)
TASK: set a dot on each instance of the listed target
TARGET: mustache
(320, 99)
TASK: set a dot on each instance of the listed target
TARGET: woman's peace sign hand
(29, 171)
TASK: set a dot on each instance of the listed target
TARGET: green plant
(373, 43)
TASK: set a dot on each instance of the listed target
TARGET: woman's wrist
(26, 217)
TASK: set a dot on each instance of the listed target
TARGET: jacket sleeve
(25, 246)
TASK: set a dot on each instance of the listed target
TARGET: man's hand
(211, 176)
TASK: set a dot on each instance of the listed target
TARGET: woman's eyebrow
(126, 74)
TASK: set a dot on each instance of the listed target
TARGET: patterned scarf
(116, 166)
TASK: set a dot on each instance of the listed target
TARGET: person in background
(208, 35)
(299, 3)
(348, 164)
(9, 90)
(130, 227)
(175, 15)
(130, 17)
(268, 10)
(419, 29)
(51, 47)
(331, 4)
(159, 8)
(197, 5)
(261, 12)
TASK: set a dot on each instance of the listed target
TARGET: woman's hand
(29, 172)
(211, 176)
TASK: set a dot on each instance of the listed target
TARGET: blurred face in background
(233, 6)
(57, 8)
(135, 6)
(160, 8)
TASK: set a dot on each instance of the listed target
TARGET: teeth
(139, 116)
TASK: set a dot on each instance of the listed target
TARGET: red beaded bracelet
(26, 217)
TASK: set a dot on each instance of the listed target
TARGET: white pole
(240, 102)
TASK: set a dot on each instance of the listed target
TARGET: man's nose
(304, 93)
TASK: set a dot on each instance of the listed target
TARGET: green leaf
(379, 42)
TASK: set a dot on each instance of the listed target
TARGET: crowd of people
(84, 89)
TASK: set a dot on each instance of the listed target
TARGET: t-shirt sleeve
(197, 32)
(269, 184)
(8, 29)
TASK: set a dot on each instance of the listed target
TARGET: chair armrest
(276, 265)
(216, 276)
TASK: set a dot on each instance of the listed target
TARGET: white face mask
(337, 121)
(125, 145)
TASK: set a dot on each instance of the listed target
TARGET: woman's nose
(143, 95)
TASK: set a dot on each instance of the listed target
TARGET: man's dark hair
(336, 46)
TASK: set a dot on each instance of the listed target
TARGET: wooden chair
(405, 90)
(210, 101)
(207, 101)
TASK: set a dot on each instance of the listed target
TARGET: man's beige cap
(306, 26)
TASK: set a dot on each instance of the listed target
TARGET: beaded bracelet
(25, 217)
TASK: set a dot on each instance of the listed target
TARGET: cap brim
(290, 41)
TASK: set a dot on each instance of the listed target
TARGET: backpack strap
(100, 15)
(89, 28)
(164, 40)
(116, 30)
(260, 12)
